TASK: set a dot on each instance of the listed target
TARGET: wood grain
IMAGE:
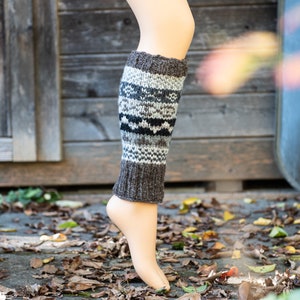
(47, 80)
(107, 31)
(6, 149)
(190, 160)
(3, 109)
(92, 76)
(198, 117)
(109, 4)
(19, 22)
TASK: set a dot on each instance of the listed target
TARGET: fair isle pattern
(149, 93)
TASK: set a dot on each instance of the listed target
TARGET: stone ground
(19, 248)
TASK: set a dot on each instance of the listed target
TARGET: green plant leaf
(68, 224)
(191, 289)
(278, 232)
(262, 269)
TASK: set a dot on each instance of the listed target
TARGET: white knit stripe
(155, 81)
(154, 110)
(144, 154)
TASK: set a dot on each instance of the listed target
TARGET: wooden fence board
(5, 126)
(21, 74)
(198, 117)
(104, 31)
(190, 160)
(6, 149)
(3, 111)
(108, 4)
(92, 76)
(48, 106)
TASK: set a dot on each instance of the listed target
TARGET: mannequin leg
(149, 94)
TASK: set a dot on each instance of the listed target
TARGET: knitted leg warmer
(150, 90)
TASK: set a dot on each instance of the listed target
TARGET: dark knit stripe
(157, 64)
(133, 91)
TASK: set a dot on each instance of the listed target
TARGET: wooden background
(214, 140)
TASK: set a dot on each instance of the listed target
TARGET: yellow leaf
(58, 237)
(290, 249)
(242, 221)
(297, 205)
(228, 216)
(249, 201)
(218, 246)
(190, 229)
(192, 200)
(262, 222)
(236, 254)
(48, 260)
(297, 221)
(208, 235)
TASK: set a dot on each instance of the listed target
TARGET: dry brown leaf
(78, 283)
(190, 296)
(36, 263)
(92, 264)
(50, 269)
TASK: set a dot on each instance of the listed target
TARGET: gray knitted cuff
(149, 93)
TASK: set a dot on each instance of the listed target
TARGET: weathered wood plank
(21, 70)
(6, 149)
(108, 4)
(198, 117)
(4, 108)
(190, 160)
(48, 106)
(90, 76)
(104, 31)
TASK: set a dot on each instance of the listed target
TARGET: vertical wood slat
(3, 107)
(48, 107)
(19, 28)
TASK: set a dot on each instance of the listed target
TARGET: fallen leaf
(278, 232)
(191, 289)
(58, 237)
(262, 222)
(78, 283)
(290, 249)
(249, 201)
(262, 269)
(69, 204)
(218, 246)
(233, 271)
(227, 216)
(3, 229)
(194, 296)
(48, 260)
(68, 224)
(236, 254)
(36, 263)
(209, 235)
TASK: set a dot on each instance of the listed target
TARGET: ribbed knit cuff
(140, 182)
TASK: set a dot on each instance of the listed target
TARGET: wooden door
(30, 124)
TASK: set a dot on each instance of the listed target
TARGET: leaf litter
(207, 249)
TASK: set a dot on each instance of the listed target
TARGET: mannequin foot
(138, 222)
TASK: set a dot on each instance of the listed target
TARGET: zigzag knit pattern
(149, 94)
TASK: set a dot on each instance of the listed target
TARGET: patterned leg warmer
(150, 90)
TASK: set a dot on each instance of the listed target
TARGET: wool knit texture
(149, 94)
